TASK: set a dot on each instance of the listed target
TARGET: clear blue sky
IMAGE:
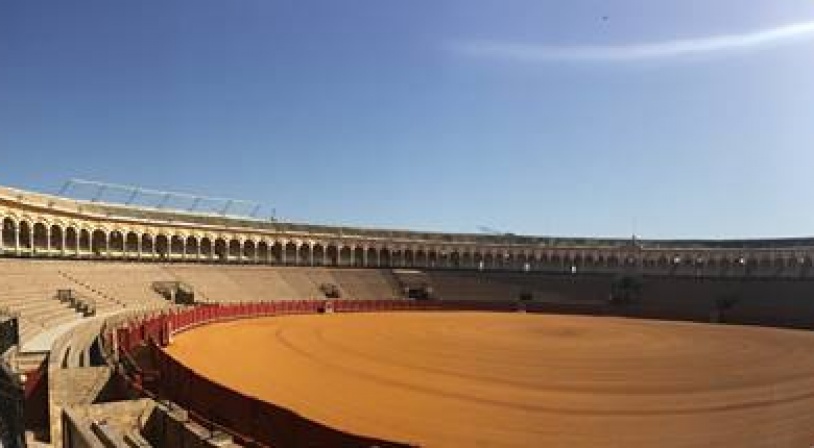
(681, 118)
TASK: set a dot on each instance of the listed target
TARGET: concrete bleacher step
(27, 362)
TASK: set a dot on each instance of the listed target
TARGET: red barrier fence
(252, 421)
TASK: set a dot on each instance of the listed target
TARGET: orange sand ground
(469, 379)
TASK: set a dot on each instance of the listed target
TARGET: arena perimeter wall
(149, 371)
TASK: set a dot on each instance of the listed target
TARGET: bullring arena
(512, 379)
(129, 326)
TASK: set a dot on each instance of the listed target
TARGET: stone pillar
(30, 240)
(64, 239)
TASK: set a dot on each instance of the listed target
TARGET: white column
(63, 239)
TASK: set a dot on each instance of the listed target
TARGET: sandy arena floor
(483, 379)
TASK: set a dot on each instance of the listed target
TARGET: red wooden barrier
(252, 420)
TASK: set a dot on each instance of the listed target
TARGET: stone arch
(235, 249)
(319, 254)
(176, 246)
(409, 258)
(249, 250)
(99, 242)
(332, 255)
(221, 249)
(290, 253)
(556, 262)
(466, 260)
(384, 257)
(305, 255)
(40, 239)
(432, 258)
(147, 244)
(277, 253)
(537, 262)
(115, 242)
(131, 245)
(442, 258)
(84, 240)
(477, 261)
(57, 238)
(518, 261)
(263, 251)
(372, 257)
(345, 256)
(9, 232)
(505, 260)
(359, 257)
(396, 258)
(455, 260)
(488, 259)
(162, 246)
(72, 240)
(544, 261)
(420, 258)
(25, 235)
(567, 260)
(588, 261)
(191, 247)
(206, 247)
